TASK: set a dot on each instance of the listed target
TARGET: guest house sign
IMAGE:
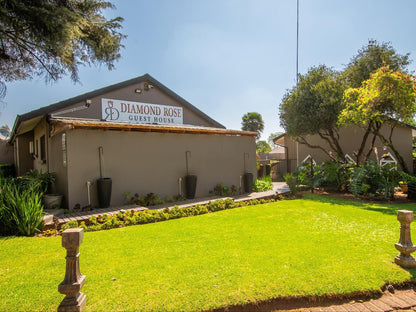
(137, 112)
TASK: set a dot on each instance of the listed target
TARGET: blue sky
(230, 57)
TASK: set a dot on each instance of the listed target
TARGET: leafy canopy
(386, 95)
(370, 58)
(253, 122)
(263, 147)
(54, 37)
(313, 104)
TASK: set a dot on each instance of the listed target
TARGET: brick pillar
(75, 300)
(405, 245)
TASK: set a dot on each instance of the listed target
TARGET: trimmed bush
(105, 222)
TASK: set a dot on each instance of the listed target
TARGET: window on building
(42, 149)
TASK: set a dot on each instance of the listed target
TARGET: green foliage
(21, 209)
(372, 180)
(150, 199)
(370, 58)
(70, 225)
(334, 174)
(312, 107)
(132, 217)
(387, 97)
(292, 181)
(253, 122)
(55, 37)
(224, 190)
(263, 184)
(38, 181)
(263, 147)
(386, 94)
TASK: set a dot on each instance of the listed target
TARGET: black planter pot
(190, 186)
(104, 192)
(248, 182)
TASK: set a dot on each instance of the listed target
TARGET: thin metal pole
(100, 157)
(297, 67)
(297, 42)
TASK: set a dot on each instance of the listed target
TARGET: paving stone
(382, 305)
(340, 308)
(407, 298)
(403, 304)
(350, 308)
(390, 302)
(361, 307)
(372, 307)
(411, 295)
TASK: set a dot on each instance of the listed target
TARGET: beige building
(139, 133)
(293, 154)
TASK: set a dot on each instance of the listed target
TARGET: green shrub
(21, 210)
(372, 180)
(70, 225)
(332, 173)
(263, 184)
(104, 222)
(35, 180)
(292, 181)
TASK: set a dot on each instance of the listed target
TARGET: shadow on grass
(385, 208)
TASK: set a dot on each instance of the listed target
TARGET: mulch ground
(399, 197)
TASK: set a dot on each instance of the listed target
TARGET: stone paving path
(404, 300)
(278, 187)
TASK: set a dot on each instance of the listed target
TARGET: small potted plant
(403, 186)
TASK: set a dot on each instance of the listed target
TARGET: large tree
(387, 97)
(370, 58)
(263, 147)
(253, 122)
(312, 107)
(52, 38)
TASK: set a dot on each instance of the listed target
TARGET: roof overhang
(62, 124)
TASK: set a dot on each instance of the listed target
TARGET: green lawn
(311, 246)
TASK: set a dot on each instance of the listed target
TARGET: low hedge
(131, 217)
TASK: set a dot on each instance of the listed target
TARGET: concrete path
(278, 187)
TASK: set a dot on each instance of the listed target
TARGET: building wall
(350, 141)
(6, 153)
(142, 163)
(24, 160)
(153, 96)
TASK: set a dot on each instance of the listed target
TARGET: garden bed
(399, 197)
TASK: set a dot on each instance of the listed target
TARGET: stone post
(405, 245)
(75, 300)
